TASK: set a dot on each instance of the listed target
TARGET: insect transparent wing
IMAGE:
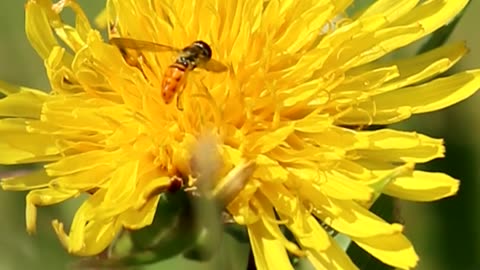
(129, 43)
(214, 66)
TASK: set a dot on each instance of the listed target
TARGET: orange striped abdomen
(172, 81)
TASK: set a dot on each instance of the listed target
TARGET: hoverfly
(198, 54)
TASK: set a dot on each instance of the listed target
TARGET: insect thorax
(196, 54)
(188, 63)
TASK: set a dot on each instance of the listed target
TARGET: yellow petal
(353, 170)
(391, 9)
(62, 78)
(268, 251)
(262, 142)
(370, 80)
(43, 197)
(423, 186)
(300, 94)
(397, 105)
(386, 177)
(69, 35)
(83, 216)
(415, 24)
(338, 138)
(297, 34)
(243, 213)
(38, 29)
(394, 249)
(425, 66)
(352, 219)
(344, 188)
(412, 70)
(432, 96)
(272, 226)
(25, 103)
(150, 189)
(282, 199)
(270, 170)
(33, 180)
(309, 234)
(137, 219)
(97, 115)
(85, 180)
(305, 171)
(82, 24)
(372, 46)
(432, 14)
(60, 232)
(397, 146)
(227, 189)
(241, 208)
(81, 162)
(332, 258)
(18, 146)
(118, 198)
(314, 123)
(8, 89)
(124, 176)
(99, 236)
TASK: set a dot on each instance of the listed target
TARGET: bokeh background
(446, 234)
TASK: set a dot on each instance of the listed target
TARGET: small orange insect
(198, 54)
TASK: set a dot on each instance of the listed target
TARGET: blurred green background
(445, 233)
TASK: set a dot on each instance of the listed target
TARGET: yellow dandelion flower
(296, 76)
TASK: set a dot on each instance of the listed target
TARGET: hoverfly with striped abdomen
(198, 54)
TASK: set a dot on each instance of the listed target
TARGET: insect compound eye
(206, 50)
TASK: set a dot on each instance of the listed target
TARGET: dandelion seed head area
(271, 127)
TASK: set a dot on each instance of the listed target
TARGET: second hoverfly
(198, 54)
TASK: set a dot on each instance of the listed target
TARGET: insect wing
(128, 43)
(215, 66)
